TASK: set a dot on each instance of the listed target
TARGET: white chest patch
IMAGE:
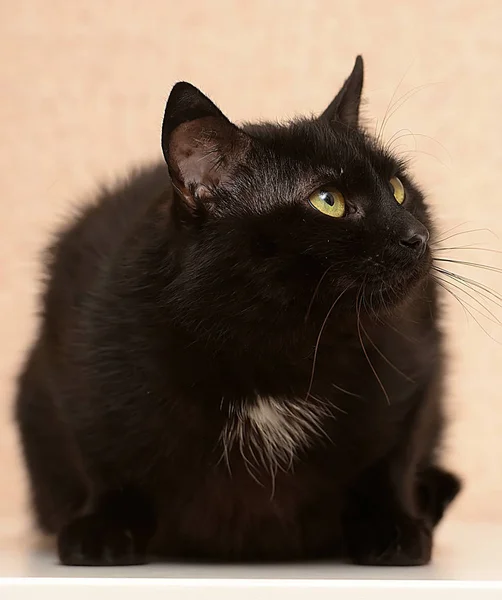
(270, 432)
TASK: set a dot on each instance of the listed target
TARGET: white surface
(467, 564)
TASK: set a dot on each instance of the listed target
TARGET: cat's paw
(95, 540)
(390, 540)
(436, 490)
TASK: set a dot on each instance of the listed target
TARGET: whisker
(470, 264)
(396, 137)
(454, 227)
(358, 313)
(461, 289)
(379, 318)
(474, 283)
(469, 247)
(374, 314)
(462, 303)
(389, 105)
(329, 405)
(391, 364)
(443, 285)
(316, 349)
(426, 154)
(307, 314)
(341, 389)
(422, 135)
(400, 102)
(405, 98)
(406, 337)
(464, 233)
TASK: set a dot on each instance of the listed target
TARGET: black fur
(178, 299)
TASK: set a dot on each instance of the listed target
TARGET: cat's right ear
(200, 145)
(344, 108)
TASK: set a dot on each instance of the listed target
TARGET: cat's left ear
(345, 106)
(200, 145)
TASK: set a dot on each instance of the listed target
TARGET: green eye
(329, 201)
(398, 189)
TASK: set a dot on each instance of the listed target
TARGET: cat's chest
(269, 433)
(342, 433)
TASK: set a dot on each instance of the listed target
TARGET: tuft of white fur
(270, 432)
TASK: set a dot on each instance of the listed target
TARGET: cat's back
(83, 249)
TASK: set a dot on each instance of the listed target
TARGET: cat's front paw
(96, 540)
(389, 540)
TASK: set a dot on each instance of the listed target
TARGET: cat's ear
(345, 106)
(200, 145)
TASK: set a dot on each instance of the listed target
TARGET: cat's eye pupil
(327, 197)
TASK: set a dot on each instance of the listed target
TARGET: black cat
(239, 356)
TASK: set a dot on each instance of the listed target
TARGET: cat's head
(289, 217)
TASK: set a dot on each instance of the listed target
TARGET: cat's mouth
(389, 285)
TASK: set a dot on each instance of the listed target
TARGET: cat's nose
(416, 239)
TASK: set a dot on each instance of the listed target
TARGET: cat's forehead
(315, 145)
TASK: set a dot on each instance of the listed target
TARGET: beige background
(83, 84)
